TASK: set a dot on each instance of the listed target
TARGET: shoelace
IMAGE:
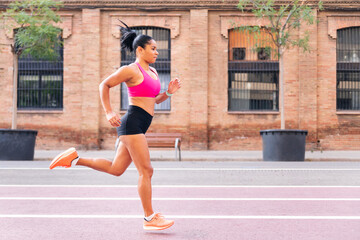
(158, 215)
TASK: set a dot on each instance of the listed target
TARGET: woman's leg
(117, 167)
(139, 152)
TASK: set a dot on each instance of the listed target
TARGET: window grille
(348, 69)
(253, 70)
(40, 82)
(162, 64)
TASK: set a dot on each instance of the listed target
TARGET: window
(253, 71)
(162, 64)
(348, 69)
(238, 53)
(40, 83)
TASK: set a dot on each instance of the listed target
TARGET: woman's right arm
(123, 74)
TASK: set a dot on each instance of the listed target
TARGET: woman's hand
(114, 119)
(174, 85)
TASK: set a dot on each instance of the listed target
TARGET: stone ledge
(168, 21)
(189, 4)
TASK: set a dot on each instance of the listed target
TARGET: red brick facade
(199, 56)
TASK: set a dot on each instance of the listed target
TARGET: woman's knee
(115, 172)
(146, 171)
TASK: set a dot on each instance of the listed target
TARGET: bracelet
(168, 94)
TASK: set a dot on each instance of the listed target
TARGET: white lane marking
(172, 199)
(173, 186)
(184, 217)
(195, 169)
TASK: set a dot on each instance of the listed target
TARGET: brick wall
(199, 55)
(336, 130)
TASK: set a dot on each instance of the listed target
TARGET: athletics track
(207, 201)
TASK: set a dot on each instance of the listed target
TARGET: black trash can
(17, 144)
(283, 145)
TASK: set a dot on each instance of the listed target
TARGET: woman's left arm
(174, 85)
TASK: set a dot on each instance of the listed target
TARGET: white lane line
(172, 186)
(184, 217)
(196, 169)
(172, 199)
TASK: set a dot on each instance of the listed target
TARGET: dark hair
(130, 40)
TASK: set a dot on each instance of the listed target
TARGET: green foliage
(283, 20)
(36, 35)
(260, 44)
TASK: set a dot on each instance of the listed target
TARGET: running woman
(144, 91)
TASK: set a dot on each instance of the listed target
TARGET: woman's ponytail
(127, 37)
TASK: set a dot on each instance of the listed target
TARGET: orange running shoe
(64, 159)
(158, 222)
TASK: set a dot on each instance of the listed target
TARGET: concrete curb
(169, 155)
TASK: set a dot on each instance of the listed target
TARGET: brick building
(229, 93)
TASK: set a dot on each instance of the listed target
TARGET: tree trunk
(14, 103)
(282, 87)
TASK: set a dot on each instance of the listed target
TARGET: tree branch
(284, 10)
(272, 22)
(255, 3)
(298, 6)
(289, 16)
(272, 37)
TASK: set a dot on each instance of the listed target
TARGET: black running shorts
(135, 121)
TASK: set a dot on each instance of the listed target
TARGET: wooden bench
(165, 140)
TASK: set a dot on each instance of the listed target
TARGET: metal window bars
(40, 83)
(348, 69)
(253, 72)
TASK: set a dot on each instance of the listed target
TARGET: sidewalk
(210, 155)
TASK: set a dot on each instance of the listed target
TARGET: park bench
(163, 140)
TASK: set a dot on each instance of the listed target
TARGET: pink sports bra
(149, 87)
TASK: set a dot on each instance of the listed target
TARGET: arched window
(253, 71)
(348, 69)
(40, 82)
(162, 64)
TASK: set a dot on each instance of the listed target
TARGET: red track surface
(89, 217)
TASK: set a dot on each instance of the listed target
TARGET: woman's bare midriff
(146, 103)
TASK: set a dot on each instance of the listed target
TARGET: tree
(283, 21)
(35, 34)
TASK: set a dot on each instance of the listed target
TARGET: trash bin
(283, 145)
(17, 144)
